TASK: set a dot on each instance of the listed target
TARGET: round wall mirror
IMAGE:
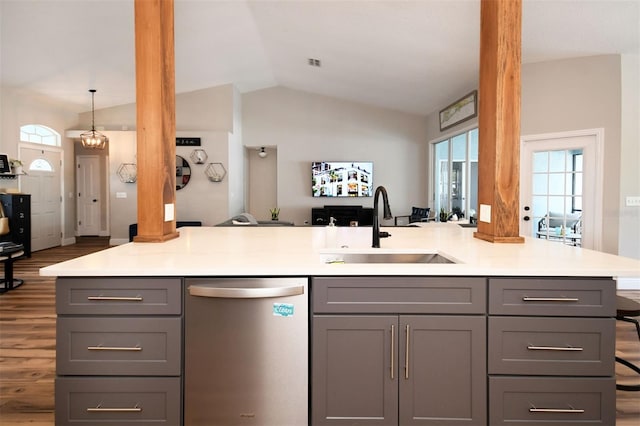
(183, 172)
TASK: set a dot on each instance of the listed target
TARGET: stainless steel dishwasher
(246, 352)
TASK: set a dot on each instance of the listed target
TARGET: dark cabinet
(17, 207)
(420, 361)
(551, 351)
(343, 215)
(399, 370)
(119, 351)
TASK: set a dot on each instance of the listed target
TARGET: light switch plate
(168, 212)
(485, 213)
(633, 201)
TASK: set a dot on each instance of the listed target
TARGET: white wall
(306, 127)
(20, 108)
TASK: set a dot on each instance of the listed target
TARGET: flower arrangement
(275, 212)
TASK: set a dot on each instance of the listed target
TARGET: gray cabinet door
(355, 370)
(443, 370)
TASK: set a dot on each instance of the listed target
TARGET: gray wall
(557, 96)
(306, 127)
(587, 93)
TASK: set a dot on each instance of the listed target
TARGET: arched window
(37, 133)
(41, 165)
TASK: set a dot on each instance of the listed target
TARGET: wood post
(155, 120)
(499, 121)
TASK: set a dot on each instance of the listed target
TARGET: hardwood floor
(28, 334)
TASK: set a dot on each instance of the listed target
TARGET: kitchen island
(514, 332)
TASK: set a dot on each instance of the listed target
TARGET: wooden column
(155, 119)
(499, 121)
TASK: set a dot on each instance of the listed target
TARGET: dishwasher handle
(245, 292)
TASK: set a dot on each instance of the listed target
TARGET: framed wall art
(461, 110)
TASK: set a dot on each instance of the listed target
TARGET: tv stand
(344, 215)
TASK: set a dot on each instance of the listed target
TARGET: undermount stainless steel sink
(373, 257)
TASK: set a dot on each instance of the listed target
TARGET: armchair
(418, 214)
(553, 220)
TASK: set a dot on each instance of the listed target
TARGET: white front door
(43, 182)
(562, 173)
(88, 201)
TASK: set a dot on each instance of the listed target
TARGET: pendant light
(93, 139)
(262, 153)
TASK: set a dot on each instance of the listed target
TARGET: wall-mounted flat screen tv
(342, 178)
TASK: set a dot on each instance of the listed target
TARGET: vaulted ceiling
(414, 56)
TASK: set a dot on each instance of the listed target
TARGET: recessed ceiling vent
(314, 62)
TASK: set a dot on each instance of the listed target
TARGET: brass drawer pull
(115, 298)
(556, 410)
(554, 348)
(550, 299)
(100, 409)
(114, 348)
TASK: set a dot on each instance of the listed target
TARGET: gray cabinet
(551, 351)
(399, 369)
(118, 351)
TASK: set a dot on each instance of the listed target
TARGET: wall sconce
(262, 153)
(128, 173)
(215, 172)
(199, 156)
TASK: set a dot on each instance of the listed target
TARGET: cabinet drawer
(84, 401)
(119, 296)
(594, 297)
(438, 295)
(529, 401)
(552, 346)
(104, 346)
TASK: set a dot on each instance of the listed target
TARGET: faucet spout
(386, 213)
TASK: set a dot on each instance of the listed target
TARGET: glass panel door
(556, 196)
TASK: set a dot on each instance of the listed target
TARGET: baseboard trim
(68, 241)
(628, 284)
(118, 241)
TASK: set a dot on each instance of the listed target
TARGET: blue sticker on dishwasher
(283, 309)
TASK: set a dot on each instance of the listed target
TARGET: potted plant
(444, 215)
(16, 166)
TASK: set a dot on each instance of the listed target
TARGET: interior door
(562, 174)
(88, 201)
(43, 182)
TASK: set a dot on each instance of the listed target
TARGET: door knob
(95, 200)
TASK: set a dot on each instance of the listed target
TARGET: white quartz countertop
(288, 251)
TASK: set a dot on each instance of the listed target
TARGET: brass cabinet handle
(406, 354)
(100, 409)
(393, 344)
(115, 298)
(114, 348)
(550, 299)
(554, 348)
(556, 410)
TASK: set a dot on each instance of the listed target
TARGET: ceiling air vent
(314, 62)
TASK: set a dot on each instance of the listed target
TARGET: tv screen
(342, 178)
(5, 167)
